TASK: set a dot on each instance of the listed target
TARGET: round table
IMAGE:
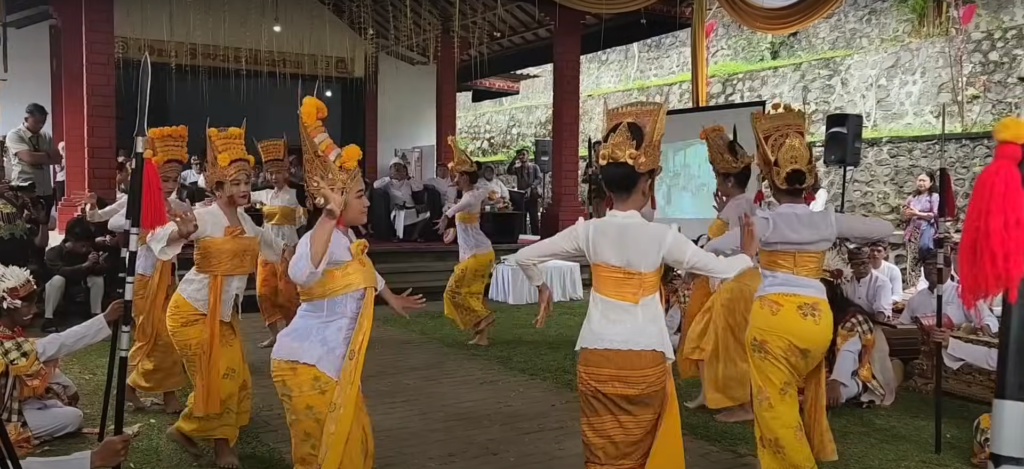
(509, 284)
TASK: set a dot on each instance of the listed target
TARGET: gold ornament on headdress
(462, 162)
(782, 145)
(226, 156)
(326, 166)
(167, 147)
(620, 146)
(273, 153)
(724, 152)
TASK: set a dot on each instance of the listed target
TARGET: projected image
(686, 186)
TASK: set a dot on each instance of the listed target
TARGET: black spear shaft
(10, 459)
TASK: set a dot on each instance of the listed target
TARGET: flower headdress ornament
(167, 147)
(226, 156)
(16, 283)
(326, 166)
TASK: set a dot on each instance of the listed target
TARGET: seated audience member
(862, 370)
(74, 262)
(24, 232)
(923, 302)
(491, 185)
(867, 289)
(44, 406)
(881, 265)
(443, 183)
(922, 283)
(407, 218)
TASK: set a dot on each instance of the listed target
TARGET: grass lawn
(895, 437)
(150, 450)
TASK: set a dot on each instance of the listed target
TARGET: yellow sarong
(630, 413)
(276, 295)
(726, 379)
(156, 366)
(695, 323)
(464, 295)
(787, 340)
(327, 418)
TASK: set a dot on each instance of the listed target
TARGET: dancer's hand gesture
(720, 202)
(441, 224)
(185, 220)
(334, 200)
(544, 302)
(749, 243)
(405, 302)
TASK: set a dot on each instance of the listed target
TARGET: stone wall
(866, 58)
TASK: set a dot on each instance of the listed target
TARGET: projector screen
(685, 190)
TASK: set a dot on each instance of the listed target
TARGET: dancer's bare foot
(133, 398)
(224, 456)
(186, 443)
(171, 403)
(736, 414)
(480, 340)
(696, 403)
(269, 342)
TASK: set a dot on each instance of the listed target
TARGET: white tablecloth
(509, 285)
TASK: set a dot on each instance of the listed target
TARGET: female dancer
(630, 416)
(282, 215)
(464, 295)
(200, 316)
(791, 324)
(155, 364)
(716, 337)
(318, 359)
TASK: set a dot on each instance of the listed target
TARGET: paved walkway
(435, 407)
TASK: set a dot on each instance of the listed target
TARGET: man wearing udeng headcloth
(630, 415)
(791, 323)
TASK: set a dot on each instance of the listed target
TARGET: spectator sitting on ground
(75, 261)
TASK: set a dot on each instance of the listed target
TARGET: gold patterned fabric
(624, 285)
(155, 364)
(276, 294)
(724, 151)
(325, 165)
(462, 162)
(800, 263)
(695, 323)
(782, 145)
(280, 215)
(793, 17)
(464, 295)
(273, 154)
(620, 146)
(787, 340)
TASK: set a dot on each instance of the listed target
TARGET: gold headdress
(16, 284)
(782, 145)
(724, 152)
(462, 162)
(226, 157)
(620, 146)
(325, 165)
(273, 153)
(167, 147)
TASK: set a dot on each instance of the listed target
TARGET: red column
(100, 104)
(447, 88)
(70, 20)
(565, 206)
(56, 85)
(370, 112)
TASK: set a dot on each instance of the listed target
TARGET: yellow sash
(357, 274)
(280, 215)
(232, 254)
(717, 228)
(801, 263)
(467, 218)
(154, 297)
(624, 285)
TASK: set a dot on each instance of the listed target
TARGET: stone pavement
(436, 407)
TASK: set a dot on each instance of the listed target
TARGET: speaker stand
(842, 193)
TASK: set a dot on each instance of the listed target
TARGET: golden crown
(325, 166)
(620, 147)
(226, 156)
(167, 145)
(724, 152)
(782, 145)
(273, 153)
(462, 162)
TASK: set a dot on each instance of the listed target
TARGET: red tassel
(808, 197)
(946, 193)
(759, 197)
(154, 208)
(991, 260)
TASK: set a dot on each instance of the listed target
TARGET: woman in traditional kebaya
(317, 361)
(716, 338)
(630, 415)
(464, 295)
(155, 364)
(282, 216)
(791, 324)
(201, 317)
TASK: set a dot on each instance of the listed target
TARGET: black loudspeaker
(843, 139)
(542, 154)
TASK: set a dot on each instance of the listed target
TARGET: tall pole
(940, 242)
(699, 54)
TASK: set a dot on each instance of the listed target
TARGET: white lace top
(145, 261)
(626, 240)
(471, 239)
(195, 286)
(321, 331)
(285, 197)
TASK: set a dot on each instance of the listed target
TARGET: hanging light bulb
(277, 25)
(328, 93)
(277, 22)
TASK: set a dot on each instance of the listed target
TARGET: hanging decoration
(778, 17)
(606, 7)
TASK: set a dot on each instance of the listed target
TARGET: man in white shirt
(820, 198)
(867, 289)
(491, 185)
(407, 219)
(443, 183)
(881, 265)
(923, 302)
(31, 153)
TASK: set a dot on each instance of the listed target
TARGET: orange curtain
(699, 54)
(606, 7)
(782, 20)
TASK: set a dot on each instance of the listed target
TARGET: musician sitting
(862, 371)
(407, 218)
(497, 193)
(867, 289)
(880, 264)
(922, 304)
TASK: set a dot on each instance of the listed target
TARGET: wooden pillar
(565, 206)
(699, 54)
(71, 115)
(447, 90)
(370, 112)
